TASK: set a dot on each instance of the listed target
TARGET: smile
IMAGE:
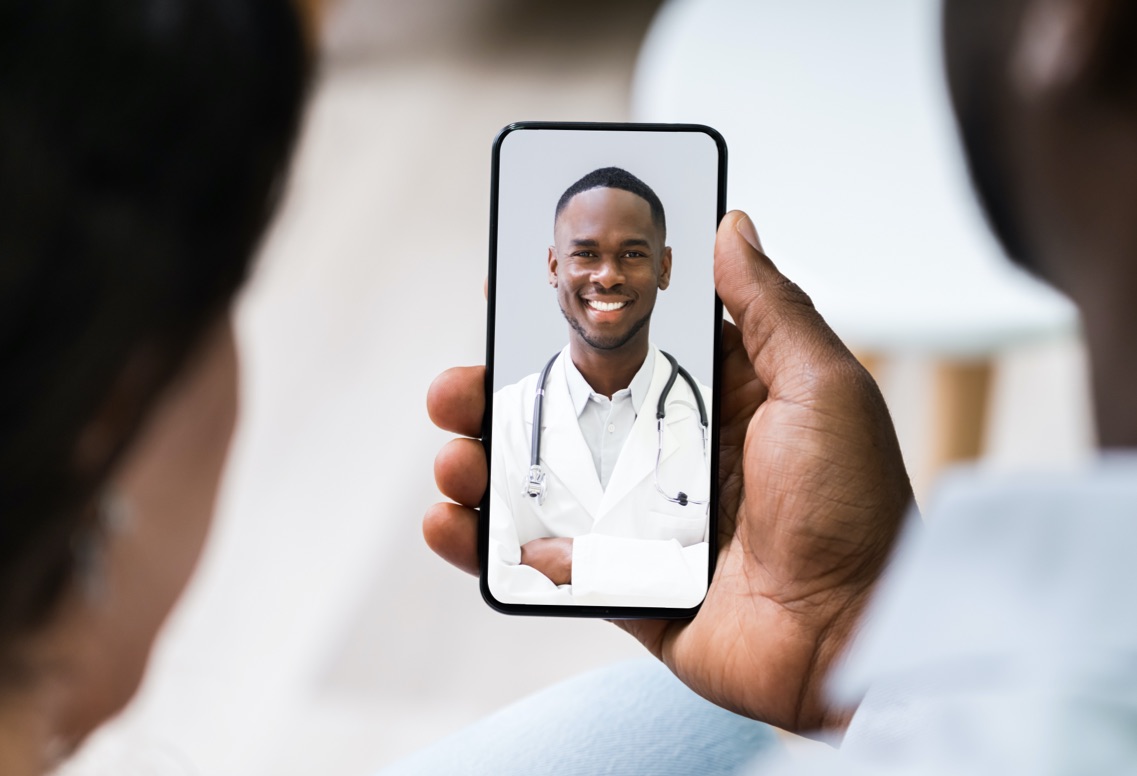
(606, 307)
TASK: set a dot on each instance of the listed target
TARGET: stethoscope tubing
(535, 484)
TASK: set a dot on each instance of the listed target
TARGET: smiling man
(597, 521)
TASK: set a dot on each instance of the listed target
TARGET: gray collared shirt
(606, 423)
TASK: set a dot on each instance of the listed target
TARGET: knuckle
(794, 294)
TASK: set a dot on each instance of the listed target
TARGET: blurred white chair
(842, 148)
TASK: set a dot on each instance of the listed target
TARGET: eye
(585, 254)
(634, 255)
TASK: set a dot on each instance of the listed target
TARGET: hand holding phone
(812, 491)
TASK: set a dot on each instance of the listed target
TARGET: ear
(313, 14)
(121, 411)
(553, 266)
(665, 269)
(1062, 46)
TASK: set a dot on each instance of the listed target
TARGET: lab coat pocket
(687, 530)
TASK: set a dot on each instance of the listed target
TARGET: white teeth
(605, 307)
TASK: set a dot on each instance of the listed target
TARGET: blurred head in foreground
(143, 146)
(1045, 93)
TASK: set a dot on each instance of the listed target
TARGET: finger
(776, 318)
(451, 530)
(456, 400)
(460, 471)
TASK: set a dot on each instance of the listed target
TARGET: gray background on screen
(536, 166)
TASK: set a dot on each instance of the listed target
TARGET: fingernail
(746, 228)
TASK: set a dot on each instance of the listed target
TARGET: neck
(608, 371)
(1113, 366)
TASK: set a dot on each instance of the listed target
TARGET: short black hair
(615, 178)
(143, 145)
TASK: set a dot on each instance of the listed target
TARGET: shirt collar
(580, 391)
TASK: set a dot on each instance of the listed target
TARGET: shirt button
(611, 427)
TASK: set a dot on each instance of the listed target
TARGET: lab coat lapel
(637, 458)
(563, 449)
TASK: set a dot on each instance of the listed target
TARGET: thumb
(779, 325)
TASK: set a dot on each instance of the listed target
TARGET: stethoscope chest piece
(536, 486)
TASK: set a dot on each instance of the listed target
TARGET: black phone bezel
(602, 612)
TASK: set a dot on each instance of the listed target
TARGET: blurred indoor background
(320, 634)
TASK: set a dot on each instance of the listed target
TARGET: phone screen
(602, 363)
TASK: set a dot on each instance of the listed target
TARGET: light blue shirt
(1001, 638)
(606, 423)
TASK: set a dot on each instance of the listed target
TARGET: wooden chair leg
(962, 394)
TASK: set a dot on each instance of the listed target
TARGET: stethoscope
(536, 486)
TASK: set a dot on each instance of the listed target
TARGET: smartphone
(602, 361)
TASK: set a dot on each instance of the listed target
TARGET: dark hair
(143, 145)
(615, 178)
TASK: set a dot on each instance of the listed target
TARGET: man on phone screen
(603, 528)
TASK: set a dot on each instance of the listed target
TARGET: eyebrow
(631, 241)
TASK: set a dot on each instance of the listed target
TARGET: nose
(607, 273)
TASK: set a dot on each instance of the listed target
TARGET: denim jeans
(630, 718)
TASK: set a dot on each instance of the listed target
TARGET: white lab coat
(631, 546)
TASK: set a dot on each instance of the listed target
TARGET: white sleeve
(509, 581)
(618, 571)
